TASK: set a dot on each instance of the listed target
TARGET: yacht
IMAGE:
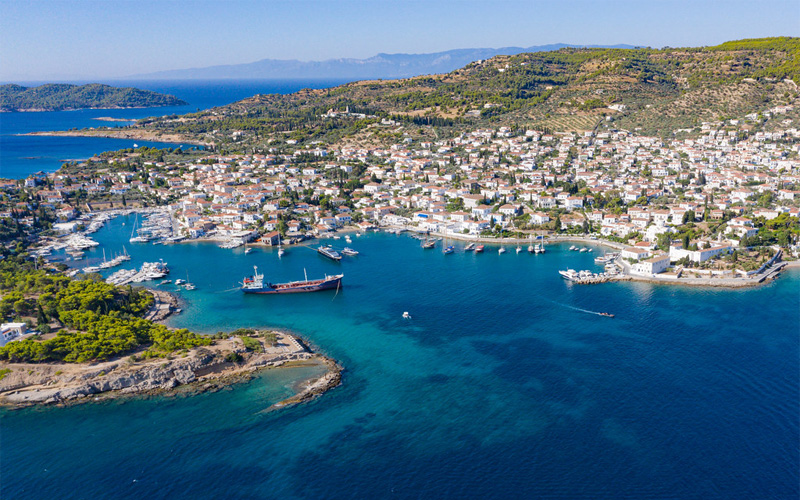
(349, 251)
(329, 252)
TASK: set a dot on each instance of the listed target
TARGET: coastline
(126, 133)
(198, 370)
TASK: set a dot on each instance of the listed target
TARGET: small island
(63, 97)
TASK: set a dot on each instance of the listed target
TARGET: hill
(650, 91)
(379, 66)
(60, 96)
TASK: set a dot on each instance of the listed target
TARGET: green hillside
(59, 96)
(648, 90)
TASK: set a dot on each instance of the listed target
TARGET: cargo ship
(256, 284)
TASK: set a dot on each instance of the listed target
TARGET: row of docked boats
(148, 271)
(580, 249)
(156, 227)
(586, 276)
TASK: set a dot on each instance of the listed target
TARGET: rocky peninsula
(204, 368)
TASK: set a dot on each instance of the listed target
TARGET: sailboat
(281, 251)
(541, 249)
(501, 250)
(188, 285)
(530, 247)
(447, 249)
(136, 239)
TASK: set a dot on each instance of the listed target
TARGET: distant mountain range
(379, 66)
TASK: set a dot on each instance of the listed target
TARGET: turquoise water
(503, 384)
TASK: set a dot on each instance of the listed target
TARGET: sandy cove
(125, 133)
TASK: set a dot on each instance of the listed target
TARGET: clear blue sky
(81, 39)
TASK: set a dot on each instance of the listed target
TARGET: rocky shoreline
(198, 370)
(124, 133)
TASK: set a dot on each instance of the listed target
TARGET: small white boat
(406, 315)
(583, 249)
(179, 282)
(281, 251)
(349, 251)
(519, 249)
(248, 250)
(189, 286)
(573, 248)
(501, 250)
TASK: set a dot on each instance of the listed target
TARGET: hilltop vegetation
(58, 97)
(100, 321)
(652, 91)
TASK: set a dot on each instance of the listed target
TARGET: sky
(95, 39)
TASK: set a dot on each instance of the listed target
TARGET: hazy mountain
(379, 66)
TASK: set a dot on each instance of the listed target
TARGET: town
(720, 203)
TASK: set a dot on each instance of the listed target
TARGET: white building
(654, 265)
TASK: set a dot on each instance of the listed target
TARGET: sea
(505, 382)
(22, 155)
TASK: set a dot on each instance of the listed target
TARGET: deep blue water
(23, 155)
(500, 386)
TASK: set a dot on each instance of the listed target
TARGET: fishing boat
(349, 251)
(329, 252)
(256, 284)
(479, 249)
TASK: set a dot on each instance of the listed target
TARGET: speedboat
(349, 251)
(479, 249)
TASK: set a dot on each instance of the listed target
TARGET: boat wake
(587, 311)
